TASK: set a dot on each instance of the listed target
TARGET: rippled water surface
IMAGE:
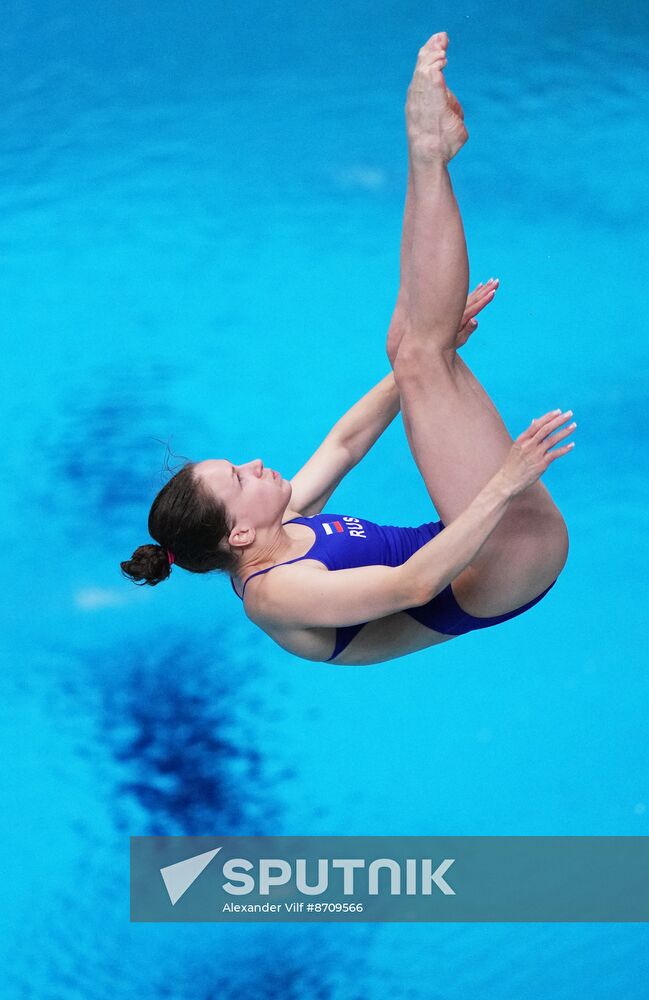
(200, 212)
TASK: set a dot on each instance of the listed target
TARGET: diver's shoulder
(269, 594)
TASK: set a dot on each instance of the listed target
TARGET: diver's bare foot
(434, 116)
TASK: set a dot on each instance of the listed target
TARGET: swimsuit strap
(259, 571)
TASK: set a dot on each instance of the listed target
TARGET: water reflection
(179, 724)
(107, 455)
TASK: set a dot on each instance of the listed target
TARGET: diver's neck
(275, 546)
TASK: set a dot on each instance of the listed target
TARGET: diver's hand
(530, 454)
(480, 297)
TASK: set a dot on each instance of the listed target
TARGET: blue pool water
(201, 210)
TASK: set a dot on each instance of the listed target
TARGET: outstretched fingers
(476, 301)
(547, 431)
(554, 439)
(558, 452)
(546, 425)
(539, 425)
(532, 452)
(480, 297)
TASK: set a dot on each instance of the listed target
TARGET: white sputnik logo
(179, 877)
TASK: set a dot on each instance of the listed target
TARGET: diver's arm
(344, 446)
(352, 436)
(366, 420)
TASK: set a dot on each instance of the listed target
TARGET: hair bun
(148, 564)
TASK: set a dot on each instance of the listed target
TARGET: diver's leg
(459, 441)
(456, 435)
(402, 309)
(455, 432)
(436, 132)
(399, 316)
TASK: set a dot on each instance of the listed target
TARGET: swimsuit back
(344, 542)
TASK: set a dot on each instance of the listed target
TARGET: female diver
(344, 589)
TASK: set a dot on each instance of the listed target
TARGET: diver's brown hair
(189, 522)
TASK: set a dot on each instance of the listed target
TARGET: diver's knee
(560, 541)
(419, 360)
(551, 542)
(542, 534)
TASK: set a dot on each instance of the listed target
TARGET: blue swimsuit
(348, 542)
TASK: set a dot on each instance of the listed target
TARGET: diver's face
(253, 495)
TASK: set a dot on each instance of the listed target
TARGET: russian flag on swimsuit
(329, 527)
